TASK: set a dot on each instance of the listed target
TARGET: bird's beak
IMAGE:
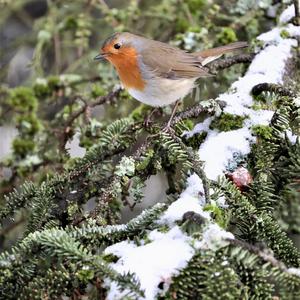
(101, 56)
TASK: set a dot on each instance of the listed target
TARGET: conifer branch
(224, 63)
(274, 88)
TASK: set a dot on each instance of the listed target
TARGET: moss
(284, 34)
(196, 4)
(164, 228)
(97, 91)
(110, 258)
(227, 122)
(252, 28)
(181, 25)
(23, 99)
(28, 124)
(53, 82)
(221, 217)
(22, 147)
(73, 209)
(41, 89)
(139, 113)
(259, 106)
(142, 164)
(196, 140)
(227, 35)
(263, 131)
(85, 275)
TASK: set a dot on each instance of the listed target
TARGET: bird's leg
(168, 126)
(147, 120)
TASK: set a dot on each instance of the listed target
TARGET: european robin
(156, 73)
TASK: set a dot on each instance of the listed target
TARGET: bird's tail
(210, 55)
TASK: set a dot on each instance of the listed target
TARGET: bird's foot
(148, 119)
(168, 128)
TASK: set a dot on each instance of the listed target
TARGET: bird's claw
(168, 129)
(147, 122)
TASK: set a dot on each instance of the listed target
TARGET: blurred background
(47, 72)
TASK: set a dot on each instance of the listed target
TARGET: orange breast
(126, 64)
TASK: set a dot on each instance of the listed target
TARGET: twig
(259, 252)
(297, 12)
(64, 136)
(271, 87)
(56, 41)
(195, 111)
(11, 226)
(224, 63)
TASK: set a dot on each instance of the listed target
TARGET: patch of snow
(221, 202)
(218, 149)
(263, 62)
(214, 237)
(156, 261)
(200, 127)
(194, 187)
(178, 208)
(191, 199)
(294, 271)
(152, 263)
(287, 14)
(292, 137)
(73, 148)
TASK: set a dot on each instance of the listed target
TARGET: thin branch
(57, 52)
(297, 12)
(195, 111)
(262, 253)
(64, 136)
(224, 63)
(272, 87)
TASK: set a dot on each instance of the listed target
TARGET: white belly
(162, 91)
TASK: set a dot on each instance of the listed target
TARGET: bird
(156, 73)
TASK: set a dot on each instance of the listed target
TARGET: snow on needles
(287, 14)
(163, 254)
(153, 262)
(267, 66)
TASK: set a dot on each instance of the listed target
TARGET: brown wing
(170, 62)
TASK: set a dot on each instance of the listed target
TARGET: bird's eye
(117, 46)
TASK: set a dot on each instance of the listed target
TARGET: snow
(214, 237)
(167, 252)
(162, 254)
(294, 271)
(287, 14)
(219, 149)
(153, 262)
(292, 137)
(73, 148)
(274, 36)
(200, 127)
(190, 200)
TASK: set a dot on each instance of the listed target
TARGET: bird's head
(123, 50)
(119, 46)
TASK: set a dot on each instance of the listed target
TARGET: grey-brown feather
(172, 63)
